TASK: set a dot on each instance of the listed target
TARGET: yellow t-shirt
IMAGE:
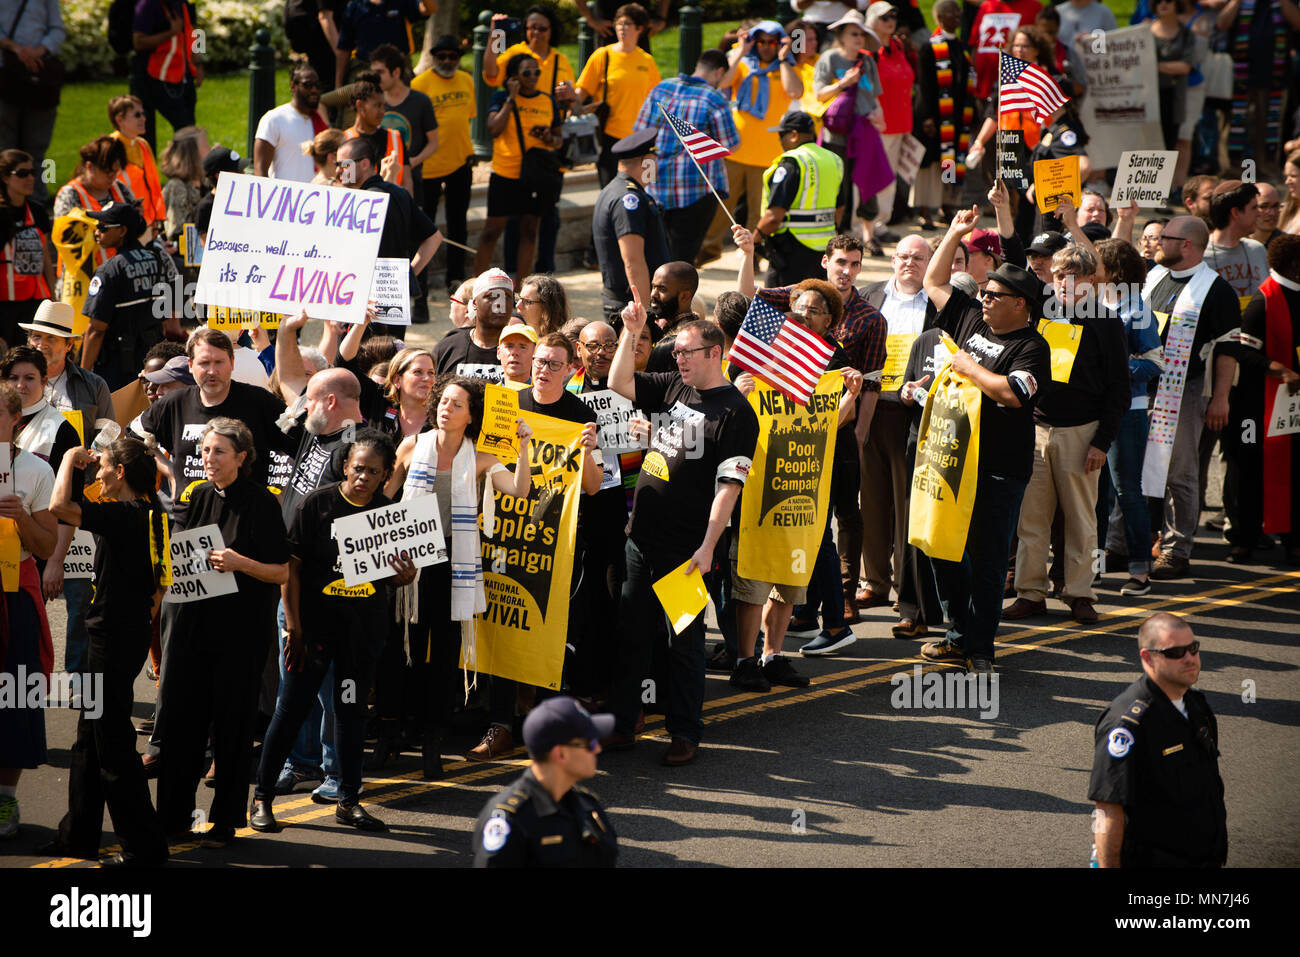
(757, 146)
(548, 66)
(454, 106)
(808, 102)
(535, 110)
(631, 78)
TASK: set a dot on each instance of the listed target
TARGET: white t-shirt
(286, 129)
(33, 484)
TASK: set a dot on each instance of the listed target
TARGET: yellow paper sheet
(683, 596)
(1055, 178)
(1063, 339)
(10, 554)
(898, 348)
(497, 434)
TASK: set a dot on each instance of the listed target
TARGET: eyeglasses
(624, 22)
(530, 72)
(1268, 207)
(809, 312)
(449, 57)
(679, 354)
(459, 302)
(988, 295)
(1178, 651)
(528, 302)
(23, 173)
(538, 28)
(610, 347)
(588, 745)
(1166, 237)
(555, 365)
(909, 259)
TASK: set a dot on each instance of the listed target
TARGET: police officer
(1063, 136)
(120, 300)
(799, 193)
(545, 819)
(1155, 772)
(628, 225)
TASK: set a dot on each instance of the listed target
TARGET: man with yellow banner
(981, 436)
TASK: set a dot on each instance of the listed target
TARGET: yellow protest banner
(528, 562)
(783, 508)
(74, 238)
(683, 595)
(236, 320)
(947, 468)
(1063, 339)
(497, 434)
(1055, 178)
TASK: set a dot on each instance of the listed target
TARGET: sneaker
(8, 816)
(1135, 587)
(803, 628)
(944, 652)
(779, 671)
(748, 676)
(721, 659)
(327, 793)
(827, 643)
(980, 666)
(290, 778)
(496, 742)
(1167, 568)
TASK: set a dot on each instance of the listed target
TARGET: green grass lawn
(223, 100)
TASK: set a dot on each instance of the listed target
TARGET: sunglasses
(588, 745)
(23, 173)
(530, 72)
(449, 57)
(989, 295)
(1178, 651)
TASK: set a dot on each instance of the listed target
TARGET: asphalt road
(835, 775)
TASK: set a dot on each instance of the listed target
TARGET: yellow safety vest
(811, 218)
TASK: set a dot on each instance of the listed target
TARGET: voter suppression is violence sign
(193, 577)
(280, 246)
(369, 541)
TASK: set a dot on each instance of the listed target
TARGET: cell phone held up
(507, 24)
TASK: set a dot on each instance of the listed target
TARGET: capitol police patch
(1118, 744)
(1069, 138)
(495, 832)
(779, 174)
(94, 286)
(631, 201)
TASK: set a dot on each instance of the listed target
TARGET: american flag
(700, 145)
(1027, 87)
(779, 351)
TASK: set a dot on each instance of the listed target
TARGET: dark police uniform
(121, 295)
(523, 826)
(1164, 769)
(625, 208)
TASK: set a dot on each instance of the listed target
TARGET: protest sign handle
(452, 242)
(707, 181)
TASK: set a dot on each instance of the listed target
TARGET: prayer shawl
(1183, 320)
(1278, 337)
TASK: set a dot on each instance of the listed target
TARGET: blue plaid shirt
(690, 99)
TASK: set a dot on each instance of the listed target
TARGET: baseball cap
(494, 278)
(796, 121)
(560, 720)
(446, 43)
(986, 241)
(519, 329)
(177, 369)
(222, 159)
(1045, 244)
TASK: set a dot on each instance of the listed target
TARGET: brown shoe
(866, 598)
(1167, 568)
(680, 752)
(907, 628)
(850, 610)
(1081, 610)
(496, 742)
(1023, 608)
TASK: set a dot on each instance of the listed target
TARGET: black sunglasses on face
(1178, 651)
(23, 173)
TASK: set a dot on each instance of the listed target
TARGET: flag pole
(697, 166)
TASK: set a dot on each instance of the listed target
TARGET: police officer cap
(1021, 282)
(120, 214)
(638, 144)
(796, 121)
(222, 159)
(561, 720)
(1045, 244)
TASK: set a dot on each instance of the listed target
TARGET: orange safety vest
(90, 205)
(171, 60)
(23, 279)
(143, 181)
(395, 146)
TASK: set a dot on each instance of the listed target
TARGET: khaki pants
(884, 498)
(1059, 478)
(742, 180)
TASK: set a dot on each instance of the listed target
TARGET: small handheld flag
(780, 351)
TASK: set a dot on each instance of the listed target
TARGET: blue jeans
(970, 591)
(314, 746)
(1125, 474)
(644, 623)
(76, 652)
(825, 589)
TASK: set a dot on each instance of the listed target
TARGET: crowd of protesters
(1081, 328)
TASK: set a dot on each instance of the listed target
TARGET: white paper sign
(193, 577)
(910, 154)
(995, 31)
(1144, 176)
(390, 288)
(6, 469)
(279, 246)
(1121, 111)
(79, 562)
(613, 412)
(369, 541)
(1285, 417)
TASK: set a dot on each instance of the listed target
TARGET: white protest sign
(193, 577)
(1121, 111)
(1285, 417)
(369, 541)
(613, 412)
(6, 469)
(910, 154)
(79, 562)
(279, 246)
(1144, 176)
(995, 31)
(390, 288)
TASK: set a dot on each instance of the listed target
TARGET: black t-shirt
(178, 420)
(922, 361)
(121, 296)
(1220, 313)
(457, 352)
(624, 208)
(413, 118)
(328, 608)
(1006, 434)
(704, 438)
(319, 462)
(124, 574)
(249, 518)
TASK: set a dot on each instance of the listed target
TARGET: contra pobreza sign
(279, 246)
